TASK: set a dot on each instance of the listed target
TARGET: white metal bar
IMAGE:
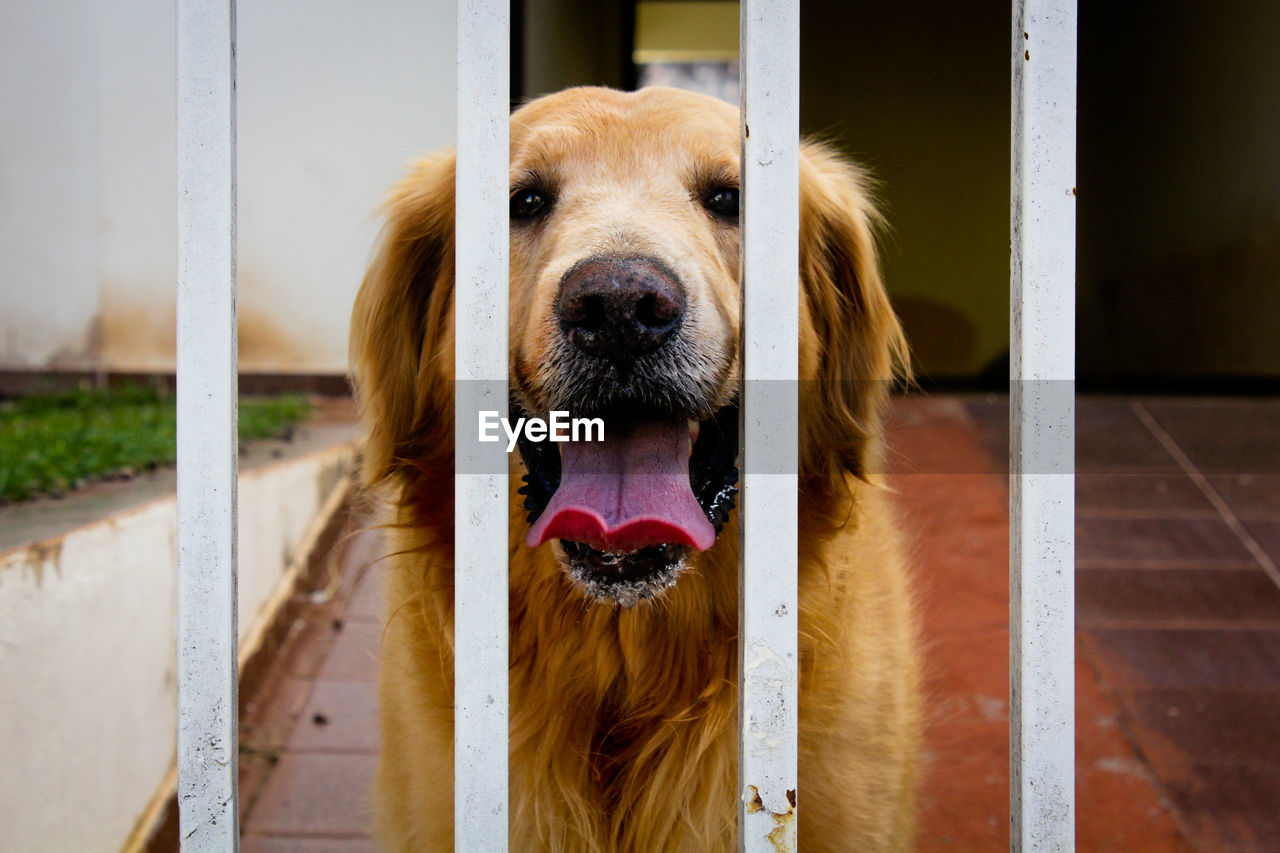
(206, 398)
(1042, 427)
(768, 611)
(480, 485)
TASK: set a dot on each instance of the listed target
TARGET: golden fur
(624, 722)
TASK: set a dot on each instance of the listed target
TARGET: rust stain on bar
(783, 834)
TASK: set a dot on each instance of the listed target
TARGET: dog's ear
(402, 327)
(855, 347)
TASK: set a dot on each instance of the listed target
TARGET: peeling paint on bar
(783, 834)
(481, 510)
(768, 642)
(206, 431)
(1042, 427)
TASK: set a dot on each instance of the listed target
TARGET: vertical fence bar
(1042, 428)
(480, 486)
(768, 606)
(206, 433)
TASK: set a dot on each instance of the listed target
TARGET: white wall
(88, 645)
(335, 98)
(48, 181)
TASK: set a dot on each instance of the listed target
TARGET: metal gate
(1041, 421)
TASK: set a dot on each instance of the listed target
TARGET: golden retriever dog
(625, 304)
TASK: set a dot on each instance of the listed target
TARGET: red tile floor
(1178, 634)
(308, 745)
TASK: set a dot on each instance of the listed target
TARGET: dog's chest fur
(623, 721)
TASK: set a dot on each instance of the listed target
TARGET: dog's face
(625, 305)
(624, 252)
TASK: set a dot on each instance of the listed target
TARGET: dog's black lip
(627, 578)
(713, 465)
(642, 564)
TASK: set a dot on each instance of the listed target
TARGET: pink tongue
(625, 492)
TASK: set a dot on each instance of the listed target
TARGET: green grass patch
(52, 443)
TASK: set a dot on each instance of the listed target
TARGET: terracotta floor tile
(354, 550)
(313, 794)
(1190, 659)
(931, 436)
(1249, 494)
(341, 716)
(964, 586)
(1230, 808)
(1151, 541)
(963, 807)
(969, 665)
(1118, 806)
(268, 717)
(1149, 493)
(964, 792)
(1110, 438)
(361, 549)
(1169, 595)
(1224, 436)
(366, 601)
(958, 533)
(1266, 531)
(1227, 727)
(287, 844)
(990, 414)
(962, 608)
(308, 644)
(354, 653)
(255, 768)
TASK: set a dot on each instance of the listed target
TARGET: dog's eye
(723, 201)
(528, 203)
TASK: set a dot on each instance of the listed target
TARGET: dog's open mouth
(629, 510)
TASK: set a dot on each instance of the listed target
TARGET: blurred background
(1178, 265)
(1179, 218)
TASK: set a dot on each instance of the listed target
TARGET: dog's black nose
(619, 308)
